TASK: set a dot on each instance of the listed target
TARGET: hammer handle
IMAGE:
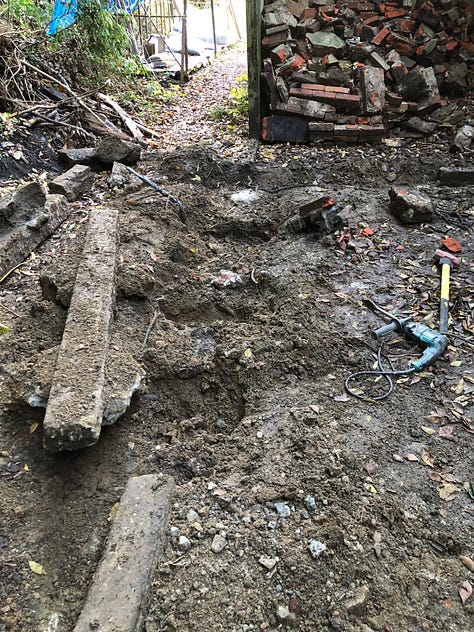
(444, 304)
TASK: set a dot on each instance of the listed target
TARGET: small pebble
(316, 548)
(283, 510)
(310, 503)
(218, 543)
(184, 543)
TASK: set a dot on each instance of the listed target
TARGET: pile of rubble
(353, 71)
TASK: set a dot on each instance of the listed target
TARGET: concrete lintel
(118, 597)
(76, 401)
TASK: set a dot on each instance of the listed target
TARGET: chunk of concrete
(76, 402)
(456, 176)
(112, 149)
(372, 82)
(410, 206)
(82, 156)
(21, 205)
(118, 597)
(73, 183)
(38, 223)
(324, 43)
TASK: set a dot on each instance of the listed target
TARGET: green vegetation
(235, 112)
(27, 12)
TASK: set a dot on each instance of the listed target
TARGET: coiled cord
(381, 371)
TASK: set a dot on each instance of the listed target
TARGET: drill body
(428, 339)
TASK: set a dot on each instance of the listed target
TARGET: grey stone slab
(76, 401)
(410, 205)
(73, 183)
(456, 176)
(17, 241)
(118, 597)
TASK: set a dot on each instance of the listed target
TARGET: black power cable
(382, 372)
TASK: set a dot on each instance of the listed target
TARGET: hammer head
(452, 260)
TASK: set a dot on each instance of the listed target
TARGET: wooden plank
(254, 63)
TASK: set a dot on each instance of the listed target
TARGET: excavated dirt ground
(243, 401)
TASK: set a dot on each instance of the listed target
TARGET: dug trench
(296, 505)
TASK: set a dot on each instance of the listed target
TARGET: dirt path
(296, 505)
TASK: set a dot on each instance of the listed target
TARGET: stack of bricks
(356, 71)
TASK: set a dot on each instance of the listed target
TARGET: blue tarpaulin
(65, 11)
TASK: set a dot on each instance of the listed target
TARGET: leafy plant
(27, 12)
(234, 112)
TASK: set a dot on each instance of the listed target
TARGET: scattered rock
(119, 177)
(73, 183)
(218, 543)
(410, 206)
(268, 562)
(316, 548)
(283, 510)
(71, 157)
(184, 543)
(113, 149)
(463, 139)
(284, 616)
(357, 604)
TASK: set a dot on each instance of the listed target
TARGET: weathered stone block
(410, 206)
(372, 82)
(73, 183)
(323, 43)
(456, 176)
(113, 149)
(76, 402)
(117, 599)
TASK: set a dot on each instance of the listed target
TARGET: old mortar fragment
(118, 598)
(76, 401)
(27, 217)
(410, 206)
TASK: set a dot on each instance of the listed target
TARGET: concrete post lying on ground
(76, 401)
(118, 597)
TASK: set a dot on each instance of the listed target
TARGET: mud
(243, 402)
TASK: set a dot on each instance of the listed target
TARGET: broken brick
(373, 89)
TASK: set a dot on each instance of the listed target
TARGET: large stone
(76, 401)
(35, 224)
(463, 139)
(420, 125)
(410, 206)
(305, 107)
(419, 85)
(71, 157)
(323, 43)
(456, 176)
(73, 183)
(112, 149)
(21, 205)
(372, 82)
(118, 598)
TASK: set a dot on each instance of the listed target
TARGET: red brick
(395, 13)
(372, 20)
(349, 101)
(310, 14)
(379, 38)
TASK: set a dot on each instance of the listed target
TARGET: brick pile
(356, 71)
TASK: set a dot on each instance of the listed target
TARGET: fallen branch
(129, 122)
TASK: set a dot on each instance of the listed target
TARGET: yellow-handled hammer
(447, 261)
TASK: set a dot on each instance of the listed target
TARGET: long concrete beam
(118, 597)
(76, 401)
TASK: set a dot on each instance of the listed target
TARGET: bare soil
(243, 401)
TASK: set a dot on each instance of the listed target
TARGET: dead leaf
(370, 467)
(315, 408)
(459, 388)
(427, 458)
(33, 427)
(468, 563)
(446, 431)
(428, 430)
(113, 511)
(341, 398)
(469, 489)
(465, 591)
(448, 491)
(411, 457)
(36, 568)
(434, 476)
(447, 602)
